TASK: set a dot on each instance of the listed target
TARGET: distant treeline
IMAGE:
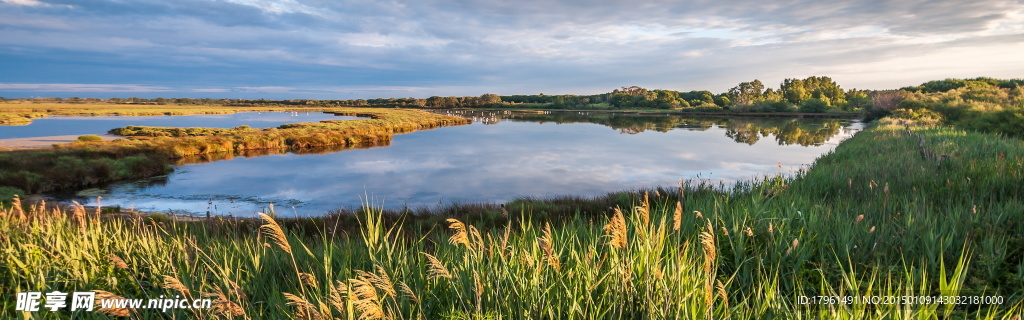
(813, 94)
(810, 95)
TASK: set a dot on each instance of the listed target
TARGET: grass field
(929, 212)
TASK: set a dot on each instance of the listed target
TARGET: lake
(500, 157)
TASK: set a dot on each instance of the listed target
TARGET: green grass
(873, 217)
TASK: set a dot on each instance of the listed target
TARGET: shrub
(813, 106)
(90, 137)
(7, 193)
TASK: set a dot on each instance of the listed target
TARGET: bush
(813, 106)
(7, 193)
(780, 106)
(90, 137)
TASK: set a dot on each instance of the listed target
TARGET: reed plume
(303, 308)
(408, 292)
(273, 230)
(616, 230)
(173, 283)
(383, 281)
(677, 216)
(722, 294)
(645, 210)
(366, 300)
(336, 296)
(225, 306)
(478, 291)
(435, 269)
(547, 246)
(116, 261)
(308, 279)
(707, 241)
(78, 216)
(19, 212)
(238, 291)
(461, 236)
(504, 240)
(105, 295)
(475, 237)
(796, 242)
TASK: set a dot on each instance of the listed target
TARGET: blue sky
(282, 49)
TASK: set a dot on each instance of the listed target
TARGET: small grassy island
(927, 201)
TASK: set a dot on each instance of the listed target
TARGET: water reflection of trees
(786, 131)
(804, 132)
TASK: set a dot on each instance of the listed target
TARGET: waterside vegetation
(896, 210)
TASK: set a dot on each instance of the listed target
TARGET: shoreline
(47, 142)
(826, 115)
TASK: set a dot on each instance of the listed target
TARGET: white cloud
(449, 47)
(30, 3)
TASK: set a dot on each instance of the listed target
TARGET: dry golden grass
(616, 231)
(308, 279)
(173, 283)
(116, 261)
(273, 230)
(547, 246)
(707, 241)
(435, 269)
(303, 308)
(364, 296)
(677, 216)
(461, 235)
(117, 312)
(222, 305)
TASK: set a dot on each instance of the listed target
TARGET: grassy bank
(22, 112)
(149, 151)
(885, 214)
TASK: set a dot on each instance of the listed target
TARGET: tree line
(815, 94)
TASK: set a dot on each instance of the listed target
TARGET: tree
(746, 93)
(489, 98)
(793, 90)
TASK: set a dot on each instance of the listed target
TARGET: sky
(353, 49)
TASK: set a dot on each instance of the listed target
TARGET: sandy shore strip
(45, 142)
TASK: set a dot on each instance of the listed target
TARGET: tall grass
(871, 218)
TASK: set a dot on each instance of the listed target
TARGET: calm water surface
(500, 157)
(58, 125)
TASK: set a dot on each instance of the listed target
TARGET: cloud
(30, 3)
(456, 48)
